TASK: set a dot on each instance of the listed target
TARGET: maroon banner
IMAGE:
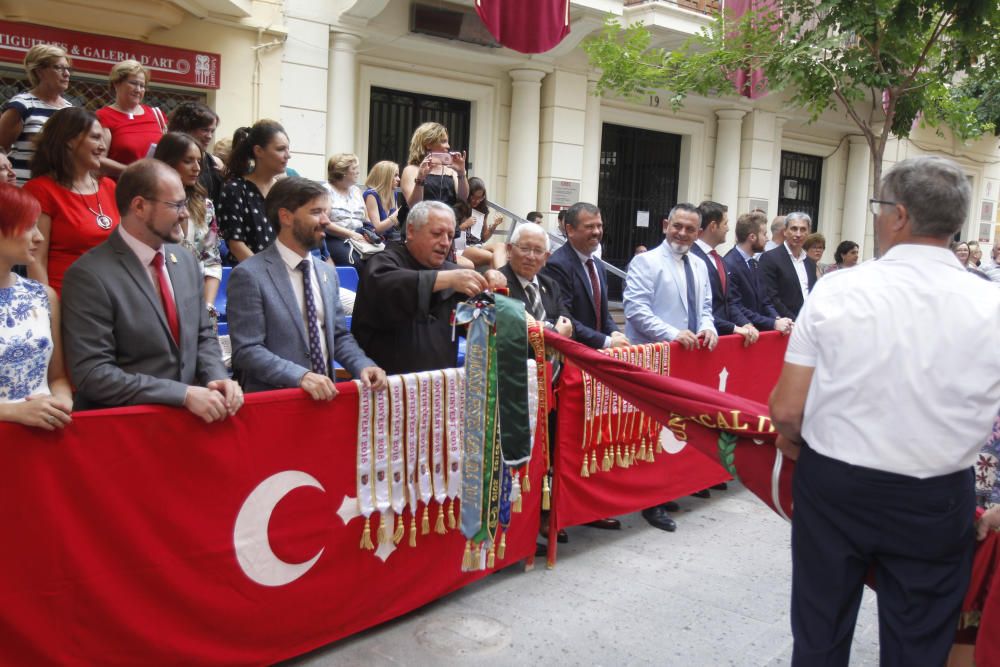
(683, 466)
(96, 54)
(126, 538)
(528, 26)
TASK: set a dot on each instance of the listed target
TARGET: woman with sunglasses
(24, 115)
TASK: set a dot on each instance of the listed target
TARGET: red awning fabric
(528, 26)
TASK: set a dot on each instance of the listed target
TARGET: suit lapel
(278, 273)
(138, 273)
(581, 274)
(179, 282)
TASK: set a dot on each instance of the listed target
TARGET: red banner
(96, 54)
(122, 539)
(681, 468)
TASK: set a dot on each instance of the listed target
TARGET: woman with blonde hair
(434, 172)
(23, 116)
(131, 129)
(348, 213)
(184, 154)
(380, 199)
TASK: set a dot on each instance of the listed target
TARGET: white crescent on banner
(253, 549)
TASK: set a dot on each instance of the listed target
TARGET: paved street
(713, 593)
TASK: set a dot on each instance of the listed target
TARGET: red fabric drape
(119, 544)
(528, 26)
(698, 411)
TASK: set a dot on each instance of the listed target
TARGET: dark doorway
(800, 185)
(395, 114)
(639, 172)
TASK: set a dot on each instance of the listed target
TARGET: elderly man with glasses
(527, 252)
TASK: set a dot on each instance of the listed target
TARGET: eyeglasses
(62, 69)
(529, 251)
(874, 205)
(136, 84)
(178, 206)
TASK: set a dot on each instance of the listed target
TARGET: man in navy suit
(789, 275)
(583, 280)
(746, 285)
(527, 252)
(285, 318)
(714, 227)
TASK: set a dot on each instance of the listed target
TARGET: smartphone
(441, 158)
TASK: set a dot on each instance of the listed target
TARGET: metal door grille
(395, 114)
(639, 172)
(800, 185)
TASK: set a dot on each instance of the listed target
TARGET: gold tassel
(413, 527)
(439, 524)
(584, 471)
(502, 549)
(649, 454)
(545, 493)
(491, 558)
(618, 456)
(467, 557)
(451, 515)
(383, 530)
(659, 446)
(425, 522)
(516, 505)
(608, 462)
(593, 462)
(397, 536)
(642, 452)
(525, 483)
(366, 536)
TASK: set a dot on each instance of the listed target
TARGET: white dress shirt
(145, 255)
(799, 264)
(292, 260)
(590, 290)
(889, 341)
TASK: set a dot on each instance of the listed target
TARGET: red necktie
(595, 286)
(721, 269)
(167, 298)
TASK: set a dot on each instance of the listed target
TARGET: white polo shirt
(906, 352)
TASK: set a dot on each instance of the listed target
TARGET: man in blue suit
(747, 292)
(285, 319)
(714, 227)
(667, 295)
(583, 280)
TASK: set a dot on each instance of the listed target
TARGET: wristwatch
(418, 181)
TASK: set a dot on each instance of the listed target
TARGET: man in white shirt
(885, 429)
(286, 321)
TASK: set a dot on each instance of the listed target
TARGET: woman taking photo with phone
(434, 172)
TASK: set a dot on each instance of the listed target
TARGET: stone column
(726, 179)
(522, 154)
(342, 94)
(772, 200)
(592, 132)
(856, 214)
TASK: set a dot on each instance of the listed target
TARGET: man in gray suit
(283, 334)
(135, 326)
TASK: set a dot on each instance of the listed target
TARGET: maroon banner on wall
(96, 54)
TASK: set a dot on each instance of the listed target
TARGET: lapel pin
(324, 277)
(173, 258)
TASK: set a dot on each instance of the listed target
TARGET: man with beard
(747, 291)
(285, 319)
(789, 274)
(402, 314)
(135, 327)
(667, 293)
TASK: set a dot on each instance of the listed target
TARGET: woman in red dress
(78, 206)
(131, 129)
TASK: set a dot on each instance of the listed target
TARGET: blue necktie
(692, 306)
(752, 263)
(312, 322)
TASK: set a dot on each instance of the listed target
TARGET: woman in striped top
(25, 114)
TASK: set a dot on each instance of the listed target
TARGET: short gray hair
(934, 191)
(778, 224)
(515, 236)
(421, 213)
(798, 215)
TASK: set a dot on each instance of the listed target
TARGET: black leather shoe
(704, 493)
(561, 536)
(605, 524)
(721, 486)
(659, 518)
(671, 506)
